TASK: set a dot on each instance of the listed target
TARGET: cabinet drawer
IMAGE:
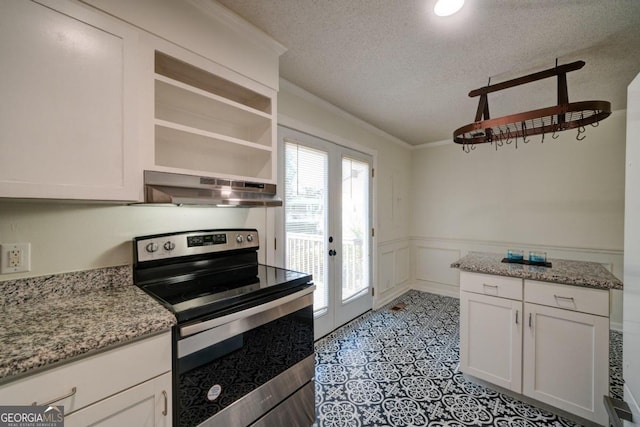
(488, 284)
(576, 298)
(94, 378)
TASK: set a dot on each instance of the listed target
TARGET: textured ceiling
(395, 65)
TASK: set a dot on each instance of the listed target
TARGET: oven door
(233, 370)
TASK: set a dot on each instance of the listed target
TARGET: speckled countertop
(578, 273)
(53, 319)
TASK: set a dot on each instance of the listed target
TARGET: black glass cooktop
(213, 295)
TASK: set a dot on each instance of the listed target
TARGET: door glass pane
(306, 189)
(355, 227)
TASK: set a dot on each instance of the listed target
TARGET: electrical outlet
(15, 257)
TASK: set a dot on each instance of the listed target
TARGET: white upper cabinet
(68, 117)
(209, 89)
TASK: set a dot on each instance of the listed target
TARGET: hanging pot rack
(509, 129)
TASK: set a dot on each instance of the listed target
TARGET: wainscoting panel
(394, 272)
(401, 261)
(387, 261)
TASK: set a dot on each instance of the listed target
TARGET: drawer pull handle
(558, 297)
(486, 285)
(166, 403)
(71, 393)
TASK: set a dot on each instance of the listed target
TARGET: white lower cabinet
(148, 404)
(491, 339)
(566, 360)
(547, 341)
(126, 386)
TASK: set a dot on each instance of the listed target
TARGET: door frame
(293, 125)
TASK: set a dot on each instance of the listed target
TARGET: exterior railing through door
(305, 252)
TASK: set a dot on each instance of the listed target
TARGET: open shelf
(179, 70)
(199, 153)
(179, 105)
(209, 125)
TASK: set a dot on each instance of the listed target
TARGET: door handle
(516, 317)
(530, 320)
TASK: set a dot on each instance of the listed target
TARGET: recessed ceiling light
(447, 7)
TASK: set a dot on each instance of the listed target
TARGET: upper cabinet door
(68, 112)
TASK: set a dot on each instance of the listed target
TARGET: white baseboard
(389, 296)
(437, 288)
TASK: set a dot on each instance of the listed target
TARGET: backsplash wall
(68, 237)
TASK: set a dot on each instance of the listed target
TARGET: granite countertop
(577, 273)
(49, 320)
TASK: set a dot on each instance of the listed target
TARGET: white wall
(302, 111)
(563, 196)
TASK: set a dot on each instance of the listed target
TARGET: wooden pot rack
(508, 129)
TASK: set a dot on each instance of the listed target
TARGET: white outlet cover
(24, 263)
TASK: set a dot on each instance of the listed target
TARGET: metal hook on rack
(581, 129)
(468, 147)
(597, 122)
(524, 133)
(508, 141)
(500, 139)
(554, 135)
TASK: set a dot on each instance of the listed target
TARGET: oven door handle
(195, 328)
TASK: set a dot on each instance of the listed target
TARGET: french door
(327, 224)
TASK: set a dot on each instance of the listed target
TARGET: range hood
(179, 189)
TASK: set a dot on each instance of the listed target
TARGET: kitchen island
(539, 332)
(577, 273)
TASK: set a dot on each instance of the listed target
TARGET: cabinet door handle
(71, 393)
(166, 403)
(516, 317)
(529, 319)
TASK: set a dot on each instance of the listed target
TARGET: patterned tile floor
(400, 368)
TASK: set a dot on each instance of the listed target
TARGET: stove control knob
(151, 247)
(239, 238)
(249, 237)
(169, 245)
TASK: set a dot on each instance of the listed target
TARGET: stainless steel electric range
(243, 344)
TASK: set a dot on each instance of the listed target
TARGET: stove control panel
(173, 245)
